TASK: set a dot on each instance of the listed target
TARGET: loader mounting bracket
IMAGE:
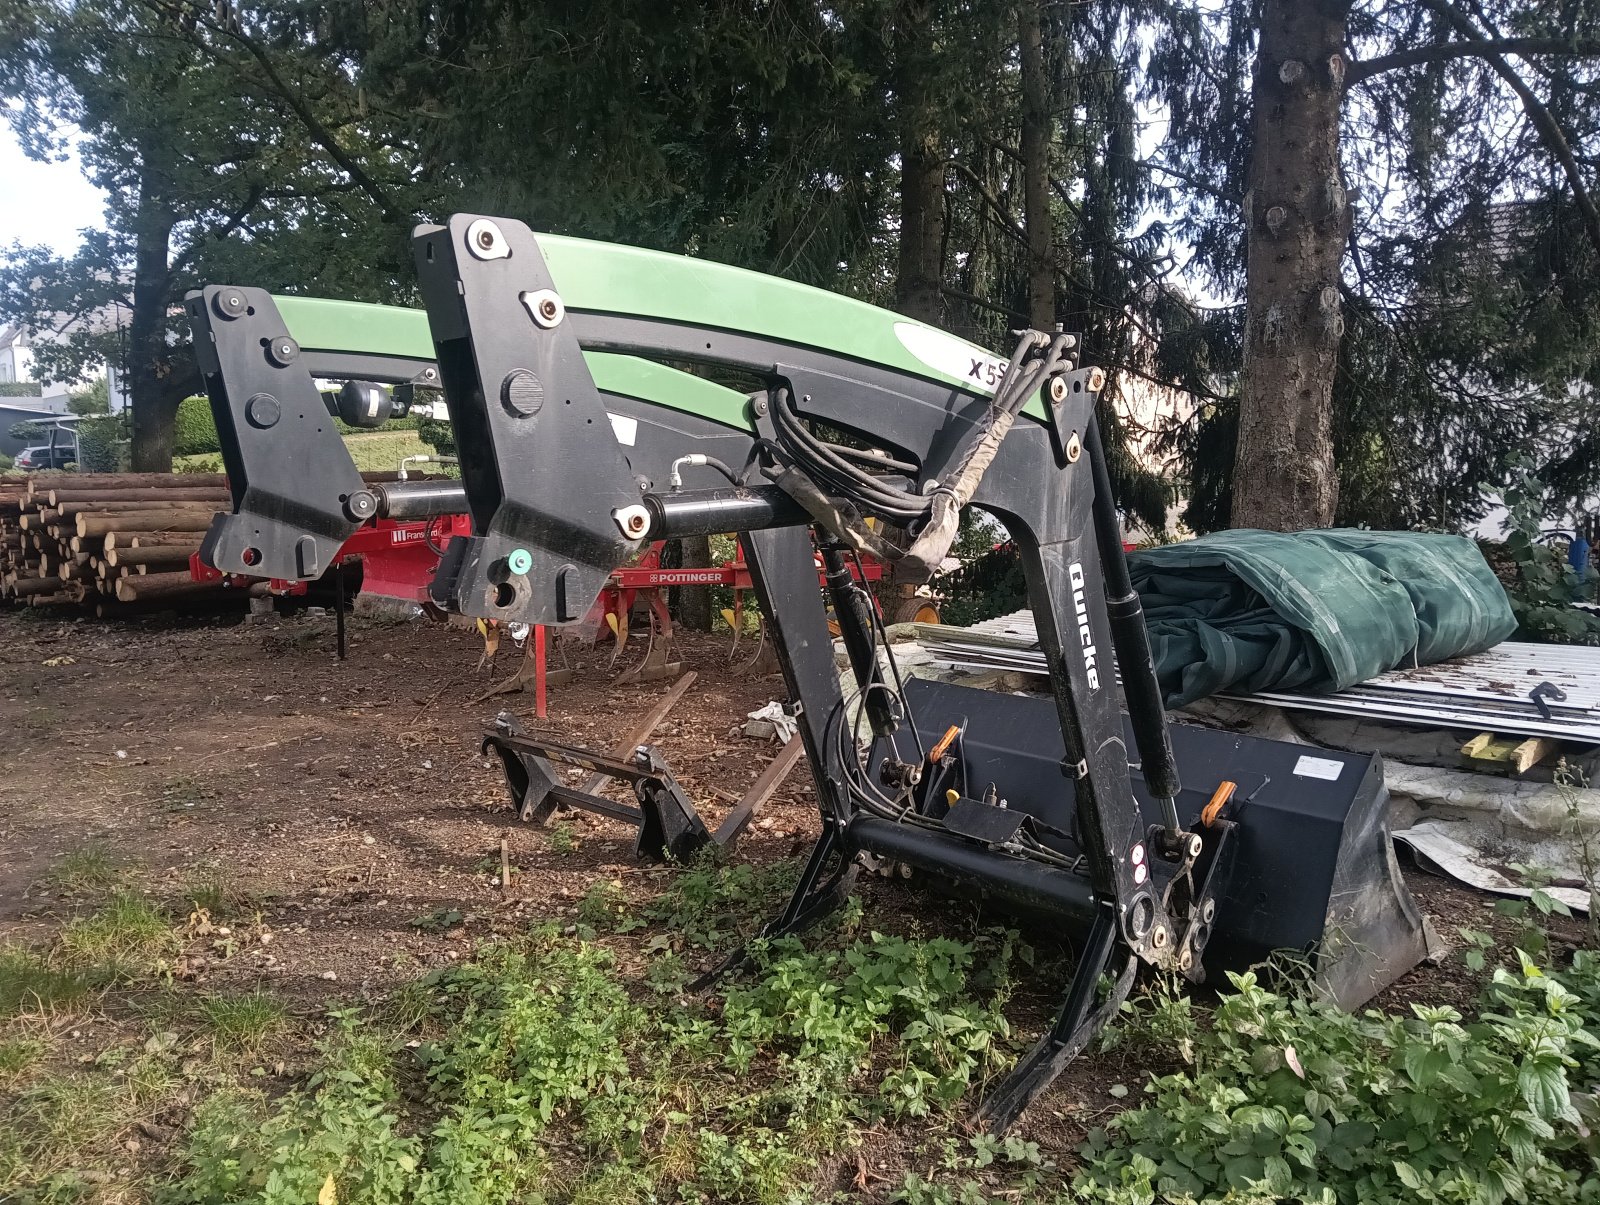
(669, 824)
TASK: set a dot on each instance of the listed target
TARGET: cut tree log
(180, 587)
(122, 522)
(62, 497)
(150, 539)
(158, 555)
(90, 505)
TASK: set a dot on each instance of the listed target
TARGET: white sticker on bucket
(626, 429)
(1318, 767)
(976, 368)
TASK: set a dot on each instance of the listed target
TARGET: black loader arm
(1068, 824)
(297, 495)
(556, 505)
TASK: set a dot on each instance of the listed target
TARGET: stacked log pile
(111, 542)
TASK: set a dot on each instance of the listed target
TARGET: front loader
(1065, 806)
(1162, 844)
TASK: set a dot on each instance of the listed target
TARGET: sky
(43, 202)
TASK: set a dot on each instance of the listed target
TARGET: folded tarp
(1241, 611)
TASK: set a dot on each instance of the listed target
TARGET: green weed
(436, 921)
(710, 905)
(185, 792)
(563, 840)
(536, 1072)
(243, 1021)
(605, 906)
(1292, 1099)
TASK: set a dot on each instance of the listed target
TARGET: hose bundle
(820, 475)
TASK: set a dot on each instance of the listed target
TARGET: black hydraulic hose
(850, 607)
(1131, 640)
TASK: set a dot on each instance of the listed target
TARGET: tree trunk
(922, 172)
(1298, 221)
(694, 602)
(157, 378)
(1036, 166)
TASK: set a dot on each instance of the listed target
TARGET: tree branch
(1476, 47)
(1543, 121)
(222, 231)
(320, 133)
(1007, 222)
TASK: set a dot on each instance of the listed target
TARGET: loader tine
(1080, 1020)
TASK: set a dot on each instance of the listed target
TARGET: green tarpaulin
(1242, 611)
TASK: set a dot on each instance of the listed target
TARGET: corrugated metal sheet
(1487, 692)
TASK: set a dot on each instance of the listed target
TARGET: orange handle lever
(945, 742)
(1219, 800)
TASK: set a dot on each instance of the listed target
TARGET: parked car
(44, 457)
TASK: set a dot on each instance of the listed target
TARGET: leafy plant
(1546, 585)
(437, 921)
(1292, 1099)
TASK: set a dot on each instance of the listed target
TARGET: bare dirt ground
(349, 798)
(350, 805)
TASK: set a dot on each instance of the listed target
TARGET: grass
(127, 931)
(212, 889)
(33, 983)
(243, 1021)
(19, 1054)
(381, 451)
(88, 869)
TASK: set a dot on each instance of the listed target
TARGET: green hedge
(437, 434)
(193, 433)
(21, 389)
(102, 444)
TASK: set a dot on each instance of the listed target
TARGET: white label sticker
(976, 368)
(1318, 767)
(626, 429)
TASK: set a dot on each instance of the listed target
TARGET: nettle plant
(1290, 1099)
(1546, 585)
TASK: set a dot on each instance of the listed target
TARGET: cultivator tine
(656, 664)
(526, 672)
(763, 661)
(619, 631)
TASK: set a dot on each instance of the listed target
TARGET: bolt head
(1058, 390)
(361, 505)
(545, 307)
(1158, 939)
(283, 351)
(229, 304)
(485, 241)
